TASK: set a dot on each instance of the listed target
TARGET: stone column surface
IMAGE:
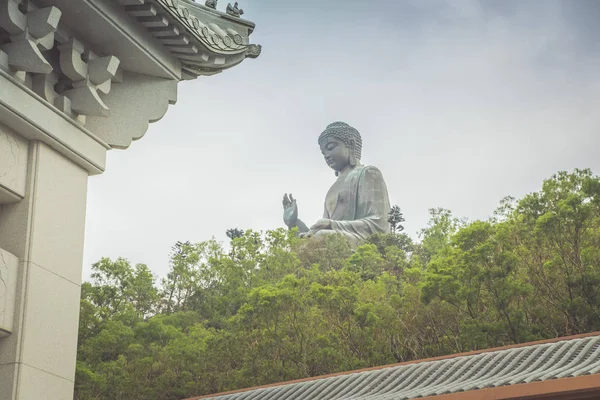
(45, 231)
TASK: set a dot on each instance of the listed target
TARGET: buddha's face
(336, 153)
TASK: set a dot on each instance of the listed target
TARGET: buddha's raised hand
(290, 211)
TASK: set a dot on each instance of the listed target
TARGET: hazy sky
(459, 103)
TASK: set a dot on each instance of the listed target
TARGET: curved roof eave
(207, 39)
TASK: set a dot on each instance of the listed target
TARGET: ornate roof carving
(207, 41)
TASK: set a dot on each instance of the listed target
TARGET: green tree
(396, 218)
(234, 233)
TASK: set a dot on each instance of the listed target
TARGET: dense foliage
(274, 307)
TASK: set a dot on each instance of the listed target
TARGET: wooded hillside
(274, 307)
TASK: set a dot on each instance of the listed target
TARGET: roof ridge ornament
(211, 4)
(234, 10)
(253, 50)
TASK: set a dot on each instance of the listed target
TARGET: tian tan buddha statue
(357, 204)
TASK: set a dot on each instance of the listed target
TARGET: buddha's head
(341, 145)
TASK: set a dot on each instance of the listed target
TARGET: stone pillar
(45, 233)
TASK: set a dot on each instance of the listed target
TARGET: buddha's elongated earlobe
(352, 159)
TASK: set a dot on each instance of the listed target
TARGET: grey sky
(459, 103)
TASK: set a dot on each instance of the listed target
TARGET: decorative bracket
(29, 33)
(88, 78)
(136, 101)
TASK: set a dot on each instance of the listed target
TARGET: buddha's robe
(358, 205)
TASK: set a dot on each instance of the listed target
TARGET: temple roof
(575, 360)
(107, 68)
(205, 40)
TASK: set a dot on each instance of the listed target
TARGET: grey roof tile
(541, 362)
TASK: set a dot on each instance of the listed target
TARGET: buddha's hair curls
(345, 133)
